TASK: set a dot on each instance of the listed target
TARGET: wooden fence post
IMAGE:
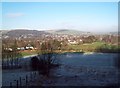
(20, 82)
(30, 76)
(10, 84)
(17, 84)
(26, 80)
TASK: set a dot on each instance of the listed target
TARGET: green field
(93, 47)
(28, 53)
(86, 47)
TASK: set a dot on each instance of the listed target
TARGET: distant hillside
(62, 30)
(4, 31)
(65, 31)
(114, 33)
(35, 33)
(23, 32)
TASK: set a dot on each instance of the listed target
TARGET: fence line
(10, 60)
(27, 80)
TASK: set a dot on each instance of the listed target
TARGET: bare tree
(47, 55)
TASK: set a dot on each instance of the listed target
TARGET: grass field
(28, 52)
(92, 47)
(87, 47)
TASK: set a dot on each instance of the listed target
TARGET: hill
(23, 33)
(66, 31)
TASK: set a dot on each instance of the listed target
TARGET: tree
(48, 51)
(11, 57)
(35, 63)
(47, 56)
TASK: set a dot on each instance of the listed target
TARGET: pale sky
(83, 16)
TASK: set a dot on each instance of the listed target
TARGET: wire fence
(28, 79)
(11, 60)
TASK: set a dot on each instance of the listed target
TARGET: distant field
(92, 46)
(87, 47)
(28, 52)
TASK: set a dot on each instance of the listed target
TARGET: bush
(43, 64)
(35, 63)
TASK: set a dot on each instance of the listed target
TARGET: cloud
(12, 15)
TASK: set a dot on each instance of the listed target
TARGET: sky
(83, 16)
